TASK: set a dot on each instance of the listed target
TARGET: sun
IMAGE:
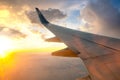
(5, 46)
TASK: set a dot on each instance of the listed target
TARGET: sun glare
(4, 13)
(5, 46)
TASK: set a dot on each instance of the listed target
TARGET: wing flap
(65, 53)
(54, 39)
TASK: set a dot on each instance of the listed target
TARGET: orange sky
(33, 41)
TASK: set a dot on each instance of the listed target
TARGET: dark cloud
(100, 14)
(11, 32)
(50, 14)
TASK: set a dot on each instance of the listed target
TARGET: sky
(19, 21)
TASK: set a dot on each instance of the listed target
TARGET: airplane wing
(101, 54)
(85, 44)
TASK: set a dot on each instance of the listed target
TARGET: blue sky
(116, 3)
(73, 17)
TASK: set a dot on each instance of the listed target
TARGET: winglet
(41, 17)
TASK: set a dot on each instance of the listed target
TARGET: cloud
(11, 32)
(102, 17)
(50, 14)
(22, 15)
(74, 4)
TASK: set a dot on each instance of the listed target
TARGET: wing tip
(41, 17)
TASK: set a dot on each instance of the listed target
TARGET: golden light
(5, 46)
(4, 13)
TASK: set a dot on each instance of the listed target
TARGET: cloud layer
(11, 32)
